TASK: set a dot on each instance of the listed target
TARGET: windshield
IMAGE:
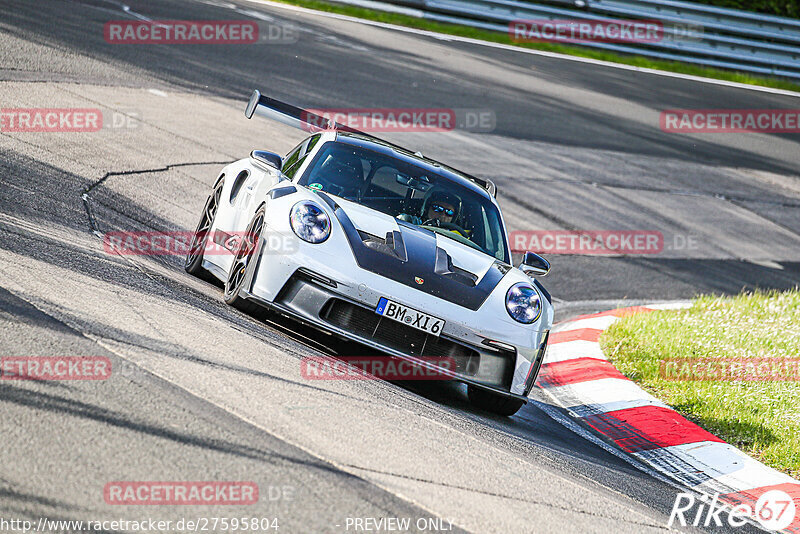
(409, 193)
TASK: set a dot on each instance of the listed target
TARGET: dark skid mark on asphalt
(87, 199)
(6, 492)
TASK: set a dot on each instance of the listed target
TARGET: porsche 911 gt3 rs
(390, 249)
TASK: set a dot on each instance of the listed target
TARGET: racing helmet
(441, 195)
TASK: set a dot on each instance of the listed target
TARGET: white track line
(571, 350)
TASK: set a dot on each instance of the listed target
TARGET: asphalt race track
(203, 392)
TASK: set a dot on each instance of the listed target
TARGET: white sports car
(376, 244)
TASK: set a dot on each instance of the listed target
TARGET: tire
(193, 264)
(491, 402)
(243, 265)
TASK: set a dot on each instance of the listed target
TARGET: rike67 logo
(775, 510)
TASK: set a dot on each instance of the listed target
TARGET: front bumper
(314, 300)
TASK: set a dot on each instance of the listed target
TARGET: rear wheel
(243, 265)
(491, 402)
(194, 259)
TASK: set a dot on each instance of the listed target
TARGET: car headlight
(309, 222)
(523, 303)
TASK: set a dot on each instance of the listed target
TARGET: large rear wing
(296, 117)
(311, 122)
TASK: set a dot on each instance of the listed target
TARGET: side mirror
(534, 265)
(269, 158)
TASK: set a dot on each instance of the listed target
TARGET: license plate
(409, 316)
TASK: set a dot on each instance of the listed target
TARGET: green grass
(762, 418)
(497, 37)
(781, 8)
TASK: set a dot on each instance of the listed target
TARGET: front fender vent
(238, 182)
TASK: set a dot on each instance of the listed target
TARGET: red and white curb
(579, 377)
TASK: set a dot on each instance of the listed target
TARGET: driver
(438, 207)
(441, 210)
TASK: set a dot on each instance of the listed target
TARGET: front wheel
(243, 265)
(491, 402)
